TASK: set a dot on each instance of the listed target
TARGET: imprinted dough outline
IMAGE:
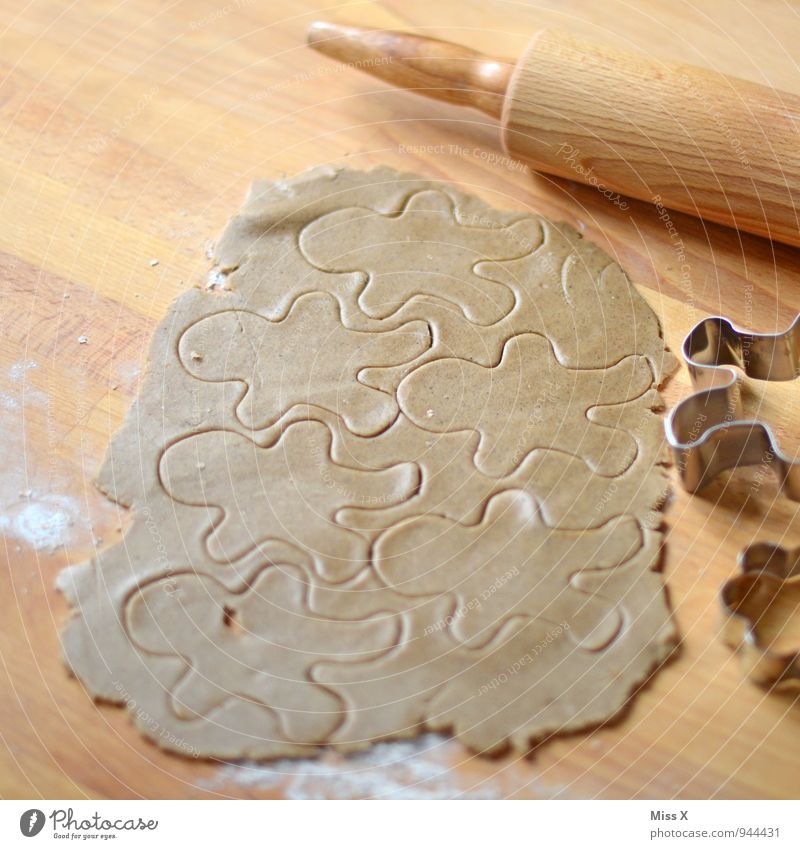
(315, 558)
(586, 412)
(432, 340)
(451, 595)
(457, 219)
(190, 667)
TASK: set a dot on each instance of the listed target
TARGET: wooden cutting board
(130, 134)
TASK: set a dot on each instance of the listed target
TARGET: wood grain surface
(130, 133)
(708, 144)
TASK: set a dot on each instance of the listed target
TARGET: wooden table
(130, 134)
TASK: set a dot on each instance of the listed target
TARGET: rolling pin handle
(428, 66)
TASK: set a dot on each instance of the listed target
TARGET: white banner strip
(404, 825)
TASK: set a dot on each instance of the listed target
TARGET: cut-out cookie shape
(422, 250)
(528, 400)
(574, 294)
(273, 360)
(509, 564)
(529, 681)
(259, 645)
(289, 491)
(534, 682)
(569, 493)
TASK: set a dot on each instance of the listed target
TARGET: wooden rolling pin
(694, 140)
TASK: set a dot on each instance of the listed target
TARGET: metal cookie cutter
(706, 430)
(756, 603)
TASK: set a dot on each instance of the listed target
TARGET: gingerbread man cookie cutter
(707, 431)
(751, 603)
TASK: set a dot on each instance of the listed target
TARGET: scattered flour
(24, 394)
(128, 372)
(19, 369)
(44, 523)
(416, 769)
(216, 280)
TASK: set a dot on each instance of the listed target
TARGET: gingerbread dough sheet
(400, 472)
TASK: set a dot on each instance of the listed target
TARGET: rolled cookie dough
(402, 471)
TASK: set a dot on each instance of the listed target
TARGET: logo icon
(31, 822)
